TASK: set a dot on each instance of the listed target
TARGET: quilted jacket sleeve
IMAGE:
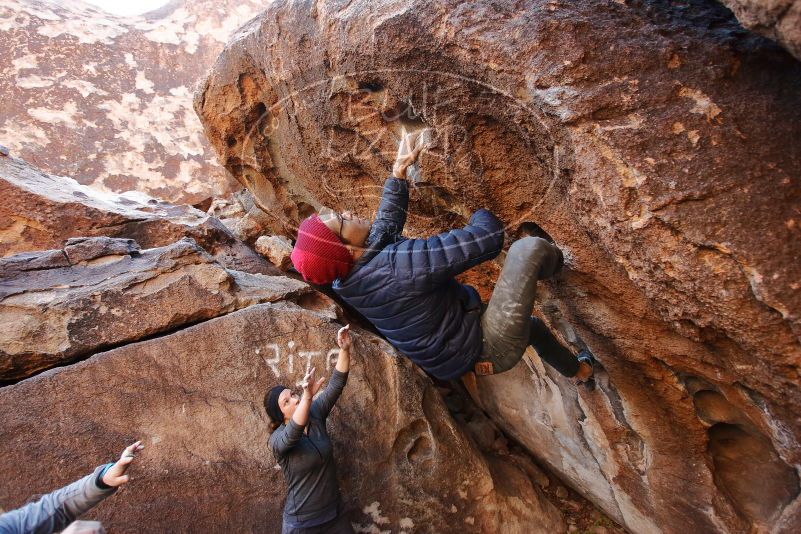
(433, 261)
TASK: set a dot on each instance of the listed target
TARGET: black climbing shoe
(587, 357)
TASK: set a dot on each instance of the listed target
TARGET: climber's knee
(526, 247)
(537, 253)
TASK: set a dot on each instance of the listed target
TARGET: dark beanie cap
(271, 405)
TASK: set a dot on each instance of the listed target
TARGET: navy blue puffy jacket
(406, 287)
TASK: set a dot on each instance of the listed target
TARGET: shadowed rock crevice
(746, 467)
(750, 473)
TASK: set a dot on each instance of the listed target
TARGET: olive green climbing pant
(507, 324)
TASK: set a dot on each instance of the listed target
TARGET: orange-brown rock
(657, 143)
(41, 211)
(195, 399)
(59, 305)
(108, 99)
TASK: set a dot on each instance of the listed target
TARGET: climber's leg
(506, 323)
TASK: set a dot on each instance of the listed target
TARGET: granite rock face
(195, 399)
(41, 211)
(108, 99)
(657, 143)
(59, 305)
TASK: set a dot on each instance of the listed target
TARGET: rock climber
(58, 510)
(300, 443)
(407, 288)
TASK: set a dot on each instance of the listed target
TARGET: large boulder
(195, 399)
(59, 305)
(660, 146)
(108, 99)
(778, 19)
(41, 211)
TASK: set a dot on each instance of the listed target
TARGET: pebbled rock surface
(41, 211)
(108, 99)
(59, 305)
(195, 399)
(778, 19)
(657, 143)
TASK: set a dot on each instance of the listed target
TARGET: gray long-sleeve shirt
(56, 510)
(307, 461)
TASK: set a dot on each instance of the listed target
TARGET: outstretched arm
(391, 216)
(325, 402)
(433, 261)
(56, 510)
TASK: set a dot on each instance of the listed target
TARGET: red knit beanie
(319, 255)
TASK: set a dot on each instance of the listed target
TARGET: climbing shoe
(586, 356)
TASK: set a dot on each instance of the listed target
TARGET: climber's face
(288, 402)
(351, 229)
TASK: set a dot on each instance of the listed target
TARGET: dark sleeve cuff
(99, 479)
(396, 185)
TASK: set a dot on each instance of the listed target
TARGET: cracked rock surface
(41, 211)
(657, 143)
(58, 305)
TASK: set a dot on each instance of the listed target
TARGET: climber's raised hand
(343, 338)
(116, 475)
(310, 387)
(345, 343)
(408, 151)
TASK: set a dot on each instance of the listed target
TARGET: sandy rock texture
(779, 20)
(41, 211)
(277, 249)
(195, 399)
(657, 143)
(108, 99)
(98, 292)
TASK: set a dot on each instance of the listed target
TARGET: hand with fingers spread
(116, 475)
(408, 151)
(310, 387)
